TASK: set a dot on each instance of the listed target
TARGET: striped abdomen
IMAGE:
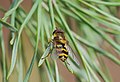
(62, 51)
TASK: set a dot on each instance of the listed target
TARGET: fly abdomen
(63, 56)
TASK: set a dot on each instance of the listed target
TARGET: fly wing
(46, 53)
(71, 55)
(54, 54)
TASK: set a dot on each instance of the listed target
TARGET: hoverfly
(59, 47)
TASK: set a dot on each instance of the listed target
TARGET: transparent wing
(72, 56)
(54, 54)
(46, 53)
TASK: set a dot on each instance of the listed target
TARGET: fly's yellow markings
(59, 45)
(54, 35)
(63, 41)
(64, 50)
(62, 54)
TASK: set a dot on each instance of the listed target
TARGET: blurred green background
(97, 22)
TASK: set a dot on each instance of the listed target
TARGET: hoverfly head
(58, 34)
